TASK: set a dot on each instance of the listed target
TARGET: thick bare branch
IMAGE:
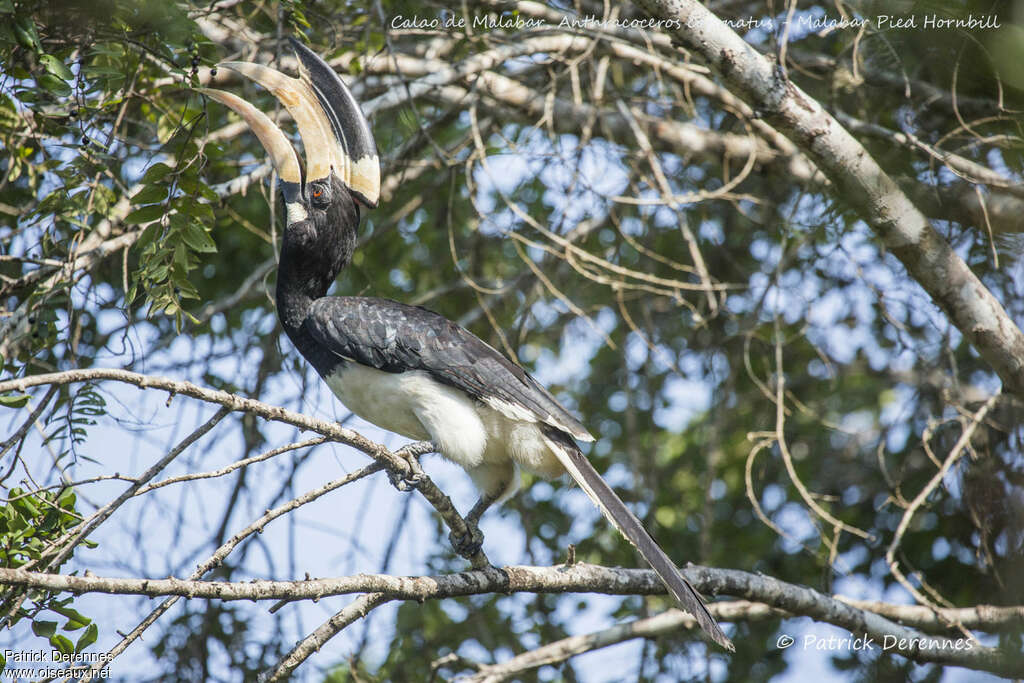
(859, 181)
(223, 398)
(942, 619)
(794, 599)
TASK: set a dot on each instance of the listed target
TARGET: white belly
(483, 440)
(388, 400)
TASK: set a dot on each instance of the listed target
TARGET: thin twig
(80, 532)
(357, 609)
(225, 549)
(954, 455)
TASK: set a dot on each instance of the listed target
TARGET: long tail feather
(630, 527)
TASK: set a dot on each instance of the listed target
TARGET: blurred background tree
(771, 391)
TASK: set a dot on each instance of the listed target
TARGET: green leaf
(63, 644)
(167, 125)
(26, 95)
(102, 72)
(298, 18)
(107, 49)
(197, 238)
(155, 173)
(26, 507)
(14, 400)
(25, 32)
(49, 523)
(73, 617)
(55, 85)
(146, 214)
(74, 624)
(181, 257)
(158, 273)
(44, 629)
(103, 197)
(148, 236)
(190, 207)
(56, 67)
(150, 194)
(87, 638)
(206, 192)
(67, 500)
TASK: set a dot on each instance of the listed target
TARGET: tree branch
(667, 622)
(859, 181)
(228, 546)
(234, 403)
(793, 599)
(66, 545)
(357, 609)
(397, 464)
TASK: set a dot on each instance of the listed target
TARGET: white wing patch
(514, 411)
(579, 435)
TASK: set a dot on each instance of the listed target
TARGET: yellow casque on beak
(335, 134)
(300, 101)
(270, 136)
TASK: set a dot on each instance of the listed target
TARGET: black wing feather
(395, 337)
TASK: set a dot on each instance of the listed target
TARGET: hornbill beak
(335, 134)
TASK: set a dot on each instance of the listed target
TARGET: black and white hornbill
(404, 368)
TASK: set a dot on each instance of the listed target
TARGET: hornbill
(405, 368)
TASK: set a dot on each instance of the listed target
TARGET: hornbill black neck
(318, 242)
(320, 196)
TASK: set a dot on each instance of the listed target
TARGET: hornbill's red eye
(318, 193)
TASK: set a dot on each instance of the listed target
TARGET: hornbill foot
(469, 544)
(411, 478)
(406, 481)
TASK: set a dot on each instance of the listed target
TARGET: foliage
(27, 523)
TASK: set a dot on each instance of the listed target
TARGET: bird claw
(406, 482)
(469, 544)
(412, 475)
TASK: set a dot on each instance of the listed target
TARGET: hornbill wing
(395, 337)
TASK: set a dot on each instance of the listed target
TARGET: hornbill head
(341, 167)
